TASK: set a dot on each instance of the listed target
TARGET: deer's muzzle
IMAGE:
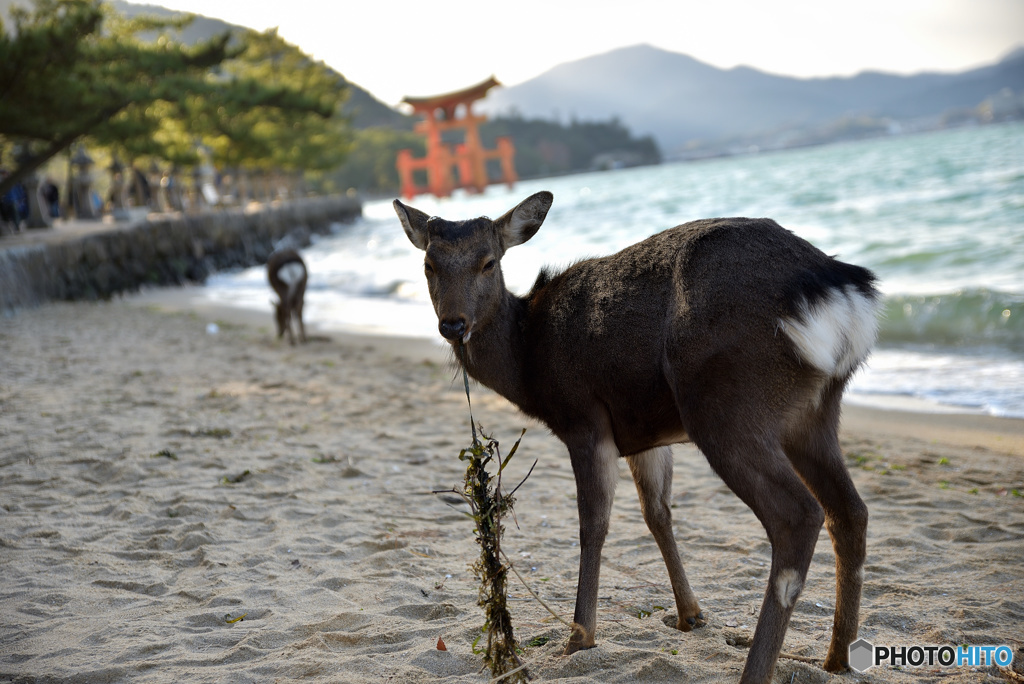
(453, 330)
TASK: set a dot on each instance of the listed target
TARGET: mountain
(680, 100)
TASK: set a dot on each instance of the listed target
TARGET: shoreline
(187, 299)
(910, 418)
(187, 506)
(90, 260)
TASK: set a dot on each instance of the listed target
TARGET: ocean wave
(965, 318)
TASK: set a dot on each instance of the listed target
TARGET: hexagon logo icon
(862, 655)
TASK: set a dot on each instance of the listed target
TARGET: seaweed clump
(488, 505)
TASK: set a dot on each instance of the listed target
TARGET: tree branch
(53, 149)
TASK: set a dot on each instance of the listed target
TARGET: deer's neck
(495, 355)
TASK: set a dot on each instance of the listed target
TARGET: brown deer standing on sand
(731, 333)
(286, 272)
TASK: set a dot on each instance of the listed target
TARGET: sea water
(938, 216)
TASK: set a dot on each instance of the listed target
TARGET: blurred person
(51, 197)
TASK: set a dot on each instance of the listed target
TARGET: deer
(733, 334)
(287, 274)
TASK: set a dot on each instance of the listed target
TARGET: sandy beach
(159, 481)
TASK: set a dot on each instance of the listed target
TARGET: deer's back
(693, 303)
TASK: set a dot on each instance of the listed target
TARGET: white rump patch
(837, 333)
(788, 586)
(291, 273)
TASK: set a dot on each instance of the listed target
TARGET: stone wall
(163, 250)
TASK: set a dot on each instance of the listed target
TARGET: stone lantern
(204, 178)
(81, 186)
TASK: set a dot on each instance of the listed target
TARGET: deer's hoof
(835, 664)
(572, 648)
(579, 641)
(691, 622)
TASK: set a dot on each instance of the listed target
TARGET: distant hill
(680, 100)
(364, 108)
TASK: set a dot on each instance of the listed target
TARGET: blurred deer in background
(731, 333)
(286, 272)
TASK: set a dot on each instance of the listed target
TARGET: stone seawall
(162, 250)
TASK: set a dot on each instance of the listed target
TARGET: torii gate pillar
(469, 158)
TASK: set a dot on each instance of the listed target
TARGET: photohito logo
(864, 655)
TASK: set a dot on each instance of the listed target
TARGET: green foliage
(545, 148)
(272, 107)
(71, 69)
(41, 81)
(74, 69)
(370, 166)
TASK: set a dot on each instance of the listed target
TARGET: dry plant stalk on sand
(482, 491)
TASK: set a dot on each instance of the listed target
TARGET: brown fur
(289, 304)
(676, 338)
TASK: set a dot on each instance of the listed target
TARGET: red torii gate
(469, 156)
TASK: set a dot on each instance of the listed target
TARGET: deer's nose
(453, 330)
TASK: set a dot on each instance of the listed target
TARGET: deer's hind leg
(652, 473)
(813, 449)
(756, 469)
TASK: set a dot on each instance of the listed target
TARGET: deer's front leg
(596, 469)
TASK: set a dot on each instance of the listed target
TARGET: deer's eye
(428, 269)
(488, 266)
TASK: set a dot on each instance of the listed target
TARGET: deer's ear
(520, 224)
(414, 222)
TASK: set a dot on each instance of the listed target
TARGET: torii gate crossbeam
(441, 114)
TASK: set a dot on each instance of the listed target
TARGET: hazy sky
(417, 47)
